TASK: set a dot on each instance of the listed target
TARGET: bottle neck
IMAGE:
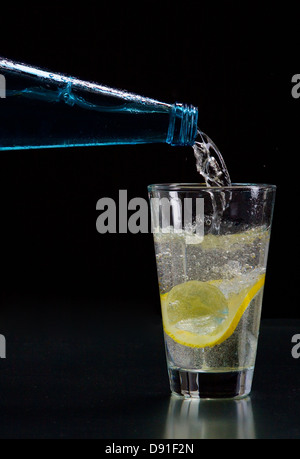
(182, 125)
(101, 115)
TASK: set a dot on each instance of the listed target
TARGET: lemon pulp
(197, 314)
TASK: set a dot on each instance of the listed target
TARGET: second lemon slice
(196, 314)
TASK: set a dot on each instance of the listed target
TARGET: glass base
(195, 384)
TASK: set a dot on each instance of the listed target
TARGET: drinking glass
(211, 247)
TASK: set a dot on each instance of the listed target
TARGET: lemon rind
(210, 341)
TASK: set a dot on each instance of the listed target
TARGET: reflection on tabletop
(196, 418)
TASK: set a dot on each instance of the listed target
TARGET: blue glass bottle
(40, 109)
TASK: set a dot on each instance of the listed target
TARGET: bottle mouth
(183, 125)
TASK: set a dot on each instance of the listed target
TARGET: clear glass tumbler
(211, 247)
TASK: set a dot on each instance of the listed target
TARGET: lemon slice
(197, 314)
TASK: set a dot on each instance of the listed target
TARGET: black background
(233, 60)
(80, 311)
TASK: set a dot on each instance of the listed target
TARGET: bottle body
(42, 109)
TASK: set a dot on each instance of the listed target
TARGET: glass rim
(204, 187)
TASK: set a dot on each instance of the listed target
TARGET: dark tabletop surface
(103, 375)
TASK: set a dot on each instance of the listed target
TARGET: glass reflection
(196, 418)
